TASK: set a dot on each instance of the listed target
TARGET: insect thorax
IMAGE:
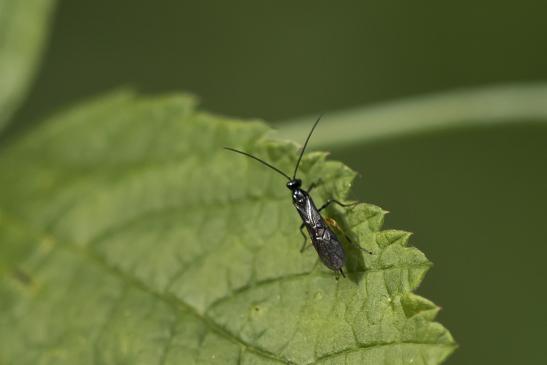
(299, 197)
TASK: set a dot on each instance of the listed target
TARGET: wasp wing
(329, 249)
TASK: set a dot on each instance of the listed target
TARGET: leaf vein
(371, 346)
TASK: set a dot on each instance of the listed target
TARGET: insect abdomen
(329, 249)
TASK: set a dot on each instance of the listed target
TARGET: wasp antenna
(304, 148)
(259, 160)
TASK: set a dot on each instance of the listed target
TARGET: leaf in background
(130, 236)
(490, 106)
(23, 29)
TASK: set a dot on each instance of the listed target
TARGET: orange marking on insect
(331, 222)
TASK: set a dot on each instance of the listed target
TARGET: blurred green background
(278, 59)
(475, 197)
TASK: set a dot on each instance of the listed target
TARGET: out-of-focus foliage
(23, 27)
(280, 60)
(488, 107)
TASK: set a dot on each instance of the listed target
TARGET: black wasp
(323, 238)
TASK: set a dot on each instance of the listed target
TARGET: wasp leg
(305, 238)
(334, 224)
(356, 245)
(341, 272)
(330, 201)
(314, 184)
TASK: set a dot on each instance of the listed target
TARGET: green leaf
(130, 236)
(23, 29)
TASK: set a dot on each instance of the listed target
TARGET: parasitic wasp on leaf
(320, 229)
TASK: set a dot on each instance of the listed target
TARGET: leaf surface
(130, 236)
(23, 28)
